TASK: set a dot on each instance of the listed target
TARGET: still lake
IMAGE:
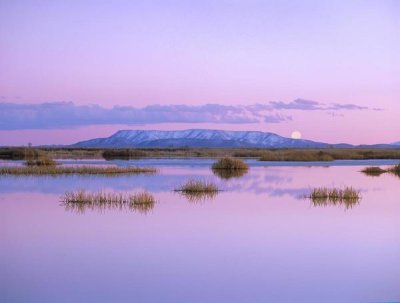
(257, 240)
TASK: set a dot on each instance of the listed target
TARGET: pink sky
(221, 52)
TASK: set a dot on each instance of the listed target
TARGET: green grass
(198, 190)
(82, 200)
(79, 170)
(322, 196)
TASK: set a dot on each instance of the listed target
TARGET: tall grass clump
(197, 190)
(324, 196)
(395, 170)
(70, 170)
(228, 163)
(377, 171)
(373, 171)
(36, 157)
(81, 200)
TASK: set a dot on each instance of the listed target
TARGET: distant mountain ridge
(201, 138)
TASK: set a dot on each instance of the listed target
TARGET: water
(256, 241)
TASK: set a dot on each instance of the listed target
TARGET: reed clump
(395, 169)
(78, 170)
(82, 200)
(373, 171)
(198, 190)
(41, 161)
(37, 157)
(193, 186)
(321, 196)
(377, 171)
(229, 163)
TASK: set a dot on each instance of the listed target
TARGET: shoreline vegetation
(71, 170)
(327, 154)
(81, 200)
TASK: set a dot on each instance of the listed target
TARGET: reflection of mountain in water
(272, 181)
(258, 180)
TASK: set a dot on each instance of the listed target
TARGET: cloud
(53, 115)
(67, 114)
(302, 104)
(277, 118)
(299, 104)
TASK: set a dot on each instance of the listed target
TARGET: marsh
(251, 242)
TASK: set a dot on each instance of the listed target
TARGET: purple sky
(73, 70)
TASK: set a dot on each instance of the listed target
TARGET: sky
(75, 70)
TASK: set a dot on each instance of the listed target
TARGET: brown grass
(81, 200)
(197, 190)
(395, 170)
(79, 170)
(373, 171)
(296, 155)
(228, 163)
(377, 171)
(14, 153)
(226, 174)
(322, 196)
(124, 154)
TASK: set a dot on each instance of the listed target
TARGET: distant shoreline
(263, 154)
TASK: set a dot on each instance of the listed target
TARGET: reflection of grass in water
(227, 168)
(80, 201)
(348, 203)
(377, 171)
(395, 170)
(228, 163)
(197, 190)
(78, 170)
(324, 196)
(228, 174)
(198, 197)
(374, 171)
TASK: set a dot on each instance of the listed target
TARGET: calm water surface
(256, 241)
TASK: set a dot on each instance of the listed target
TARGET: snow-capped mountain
(199, 138)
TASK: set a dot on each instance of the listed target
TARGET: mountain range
(207, 138)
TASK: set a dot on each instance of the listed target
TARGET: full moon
(296, 135)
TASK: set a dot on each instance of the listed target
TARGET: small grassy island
(81, 200)
(323, 196)
(70, 170)
(197, 190)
